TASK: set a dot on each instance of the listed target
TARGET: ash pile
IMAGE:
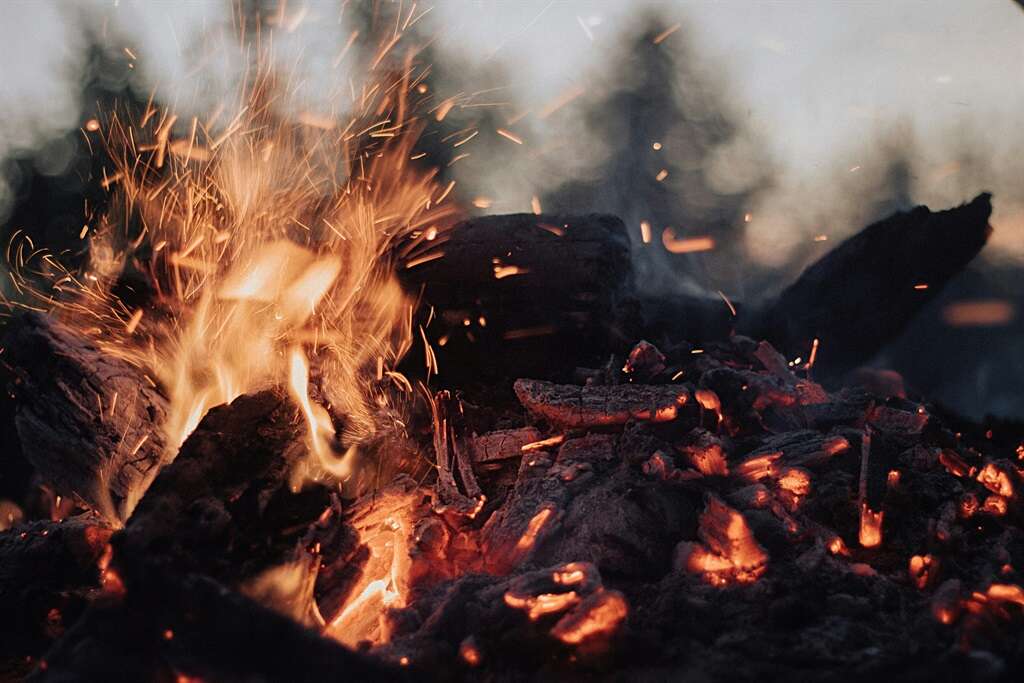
(712, 504)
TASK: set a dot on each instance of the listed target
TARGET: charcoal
(570, 407)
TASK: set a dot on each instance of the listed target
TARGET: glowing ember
(385, 527)
(996, 480)
(677, 245)
(870, 535)
(599, 615)
(923, 570)
(729, 551)
(533, 530)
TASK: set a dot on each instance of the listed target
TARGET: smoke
(777, 128)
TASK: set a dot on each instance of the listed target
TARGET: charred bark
(863, 293)
(48, 571)
(89, 422)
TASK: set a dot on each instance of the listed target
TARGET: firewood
(452, 455)
(502, 444)
(191, 627)
(863, 293)
(89, 422)
(569, 407)
(225, 506)
(521, 293)
(47, 572)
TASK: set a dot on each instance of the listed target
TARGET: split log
(863, 293)
(225, 507)
(89, 422)
(573, 407)
(454, 464)
(47, 572)
(503, 444)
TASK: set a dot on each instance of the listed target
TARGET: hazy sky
(819, 82)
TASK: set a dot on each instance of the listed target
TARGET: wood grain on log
(89, 422)
(571, 407)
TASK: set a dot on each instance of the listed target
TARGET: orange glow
(996, 480)
(572, 574)
(795, 480)
(686, 245)
(533, 529)
(385, 528)
(543, 443)
(954, 463)
(922, 570)
(599, 615)
(469, 652)
(729, 551)
(537, 606)
(982, 313)
(893, 479)
(837, 547)
(995, 506)
(870, 535)
(758, 467)
(968, 505)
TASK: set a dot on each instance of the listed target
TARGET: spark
(732, 309)
(660, 38)
(686, 245)
(510, 136)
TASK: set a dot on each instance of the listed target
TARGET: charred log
(863, 293)
(521, 293)
(89, 422)
(570, 407)
(224, 507)
(193, 627)
(48, 572)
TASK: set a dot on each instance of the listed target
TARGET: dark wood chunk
(88, 421)
(571, 407)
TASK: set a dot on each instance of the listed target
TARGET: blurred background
(775, 128)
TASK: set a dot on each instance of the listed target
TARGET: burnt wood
(863, 293)
(89, 422)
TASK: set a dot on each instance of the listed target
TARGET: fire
(729, 551)
(923, 570)
(870, 535)
(268, 242)
(385, 528)
(598, 615)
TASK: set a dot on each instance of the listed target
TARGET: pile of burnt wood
(696, 507)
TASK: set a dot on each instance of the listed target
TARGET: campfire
(295, 418)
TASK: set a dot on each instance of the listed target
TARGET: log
(522, 294)
(503, 444)
(574, 407)
(89, 422)
(225, 507)
(190, 627)
(863, 293)
(47, 572)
